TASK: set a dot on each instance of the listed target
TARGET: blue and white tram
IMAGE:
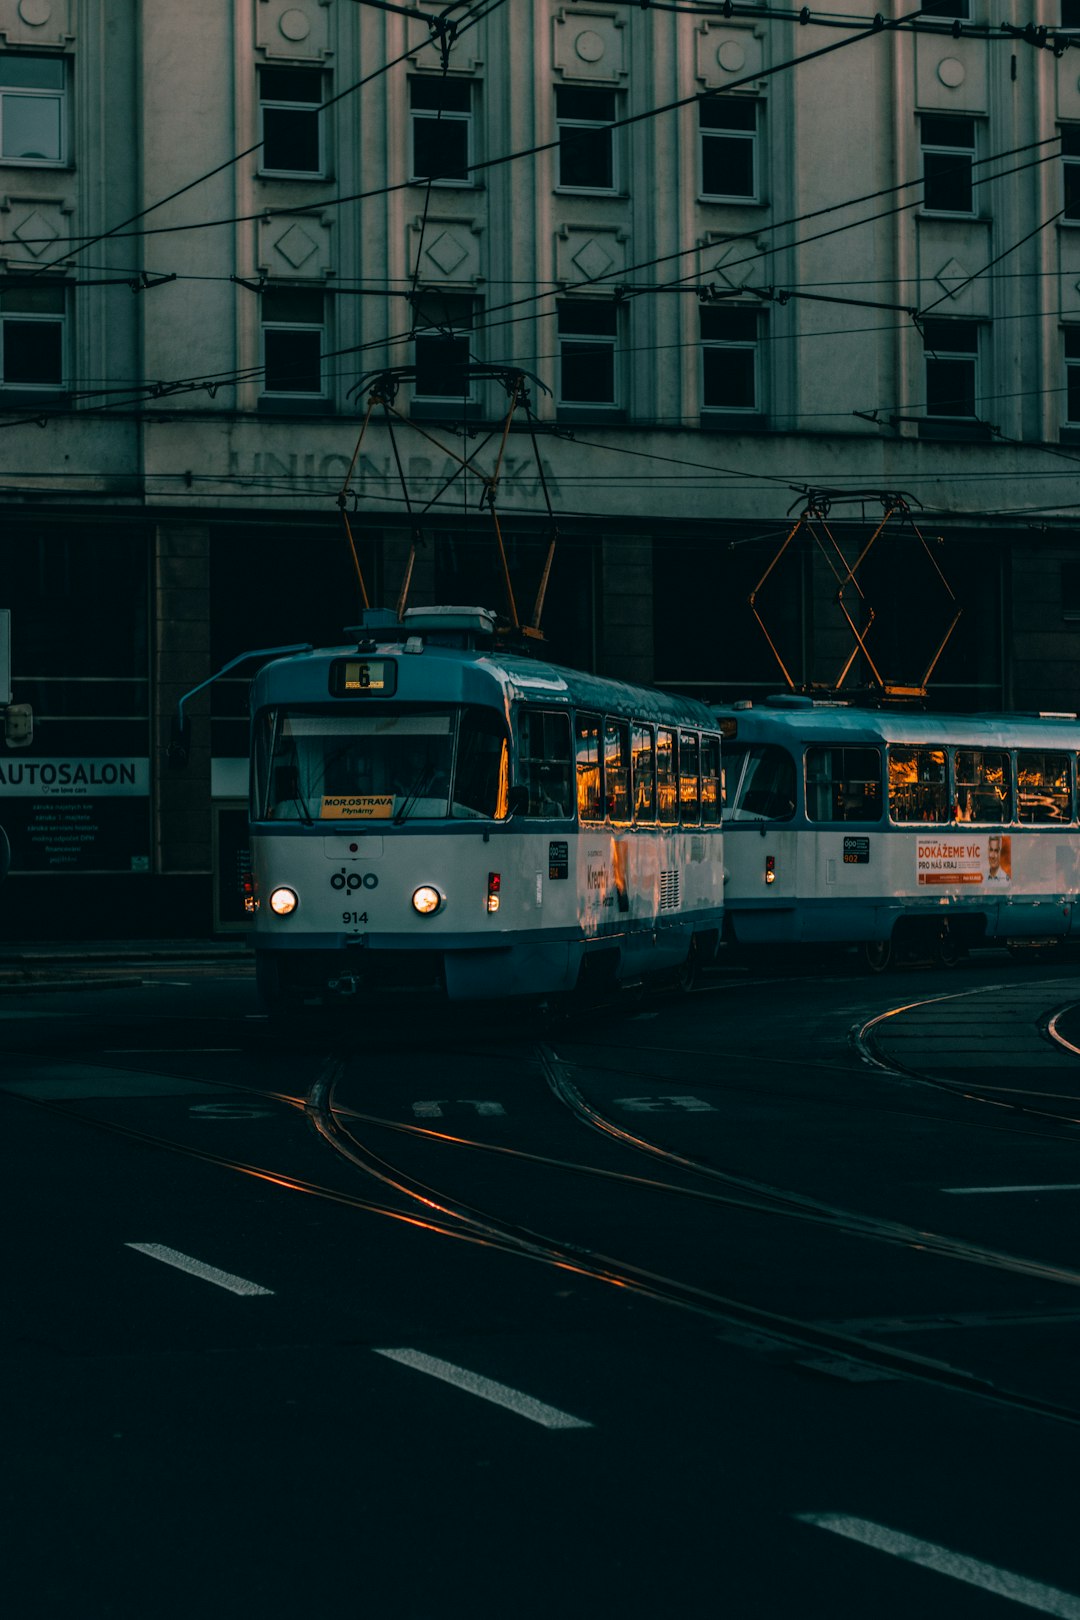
(430, 812)
(893, 829)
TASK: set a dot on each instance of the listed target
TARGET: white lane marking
(1048, 1186)
(198, 1268)
(1017, 1588)
(525, 1406)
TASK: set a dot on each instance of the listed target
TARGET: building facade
(770, 275)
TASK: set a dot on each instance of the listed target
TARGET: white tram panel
(415, 820)
(872, 826)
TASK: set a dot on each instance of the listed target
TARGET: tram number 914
(354, 917)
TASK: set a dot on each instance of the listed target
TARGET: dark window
(918, 785)
(589, 782)
(292, 330)
(1070, 589)
(1070, 13)
(290, 108)
(728, 126)
(945, 8)
(441, 123)
(32, 322)
(729, 359)
(481, 769)
(843, 784)
(1070, 169)
(32, 108)
(948, 146)
(1043, 786)
(583, 118)
(544, 762)
(1071, 339)
(442, 346)
(587, 336)
(952, 359)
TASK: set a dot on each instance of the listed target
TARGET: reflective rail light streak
(1017, 1588)
(198, 1268)
(501, 1394)
(1047, 1186)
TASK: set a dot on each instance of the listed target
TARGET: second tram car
(893, 829)
(431, 812)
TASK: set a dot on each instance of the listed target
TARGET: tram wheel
(877, 954)
(687, 976)
(946, 949)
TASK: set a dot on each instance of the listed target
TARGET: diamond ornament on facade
(35, 234)
(592, 260)
(296, 246)
(446, 253)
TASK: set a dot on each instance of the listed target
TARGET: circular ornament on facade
(35, 13)
(589, 46)
(951, 72)
(731, 56)
(294, 25)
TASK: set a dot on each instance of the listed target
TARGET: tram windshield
(760, 783)
(416, 764)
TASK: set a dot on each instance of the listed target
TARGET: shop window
(948, 148)
(588, 333)
(589, 777)
(918, 785)
(729, 147)
(983, 781)
(584, 118)
(1043, 786)
(952, 367)
(544, 762)
(441, 116)
(843, 784)
(730, 359)
(32, 320)
(292, 333)
(32, 108)
(291, 124)
(442, 346)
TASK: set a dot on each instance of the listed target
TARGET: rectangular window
(644, 760)
(689, 778)
(948, 147)
(1070, 13)
(32, 330)
(32, 108)
(946, 8)
(843, 784)
(443, 346)
(710, 781)
(441, 114)
(583, 118)
(667, 777)
(617, 769)
(983, 785)
(292, 334)
(590, 795)
(1070, 170)
(729, 141)
(730, 358)
(290, 121)
(1071, 343)
(1043, 786)
(588, 328)
(544, 762)
(952, 367)
(918, 785)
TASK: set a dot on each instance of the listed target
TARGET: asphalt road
(762, 1301)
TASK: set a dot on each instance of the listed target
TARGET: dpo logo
(353, 880)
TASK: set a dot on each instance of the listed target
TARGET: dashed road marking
(972, 1571)
(199, 1268)
(513, 1400)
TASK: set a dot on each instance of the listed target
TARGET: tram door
(763, 852)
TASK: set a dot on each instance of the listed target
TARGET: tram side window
(617, 769)
(590, 798)
(482, 769)
(710, 780)
(644, 762)
(667, 777)
(544, 755)
(983, 785)
(767, 789)
(689, 779)
(843, 784)
(918, 784)
(1043, 787)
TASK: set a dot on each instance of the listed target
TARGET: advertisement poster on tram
(965, 859)
(76, 815)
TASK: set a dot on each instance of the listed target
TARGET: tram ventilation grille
(669, 891)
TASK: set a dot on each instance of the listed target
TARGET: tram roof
(813, 721)
(448, 674)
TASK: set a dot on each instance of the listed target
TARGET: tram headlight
(427, 900)
(282, 901)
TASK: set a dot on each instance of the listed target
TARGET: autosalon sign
(76, 815)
